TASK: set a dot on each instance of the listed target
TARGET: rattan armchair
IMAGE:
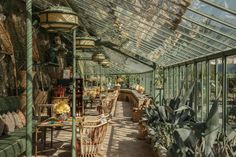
(90, 138)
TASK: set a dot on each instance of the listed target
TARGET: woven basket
(143, 132)
(136, 114)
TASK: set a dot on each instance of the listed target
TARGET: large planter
(136, 114)
(160, 152)
(143, 131)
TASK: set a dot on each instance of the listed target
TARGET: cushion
(22, 117)
(14, 144)
(18, 122)
(2, 124)
(10, 115)
(8, 124)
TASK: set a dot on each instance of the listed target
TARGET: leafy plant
(173, 128)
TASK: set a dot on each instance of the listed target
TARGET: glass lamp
(59, 19)
(98, 57)
(85, 42)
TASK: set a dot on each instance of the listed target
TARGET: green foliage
(173, 127)
(159, 77)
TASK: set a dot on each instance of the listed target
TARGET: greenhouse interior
(118, 78)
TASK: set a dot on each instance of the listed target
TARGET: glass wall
(199, 103)
(209, 84)
(171, 84)
(231, 91)
(165, 83)
(182, 74)
(219, 88)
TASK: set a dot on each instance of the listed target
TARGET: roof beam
(160, 44)
(206, 57)
(219, 7)
(173, 13)
(179, 39)
(212, 18)
(209, 28)
(125, 54)
(151, 26)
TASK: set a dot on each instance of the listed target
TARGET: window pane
(204, 90)
(231, 90)
(219, 87)
(199, 94)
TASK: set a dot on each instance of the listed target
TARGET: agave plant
(173, 128)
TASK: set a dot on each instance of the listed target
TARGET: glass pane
(212, 81)
(231, 90)
(165, 83)
(171, 83)
(182, 73)
(199, 94)
(176, 81)
(204, 91)
(219, 87)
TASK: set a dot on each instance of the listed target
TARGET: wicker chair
(91, 136)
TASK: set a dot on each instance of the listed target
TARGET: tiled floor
(121, 139)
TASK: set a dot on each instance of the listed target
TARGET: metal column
(100, 80)
(74, 97)
(168, 83)
(202, 91)
(195, 90)
(164, 82)
(153, 83)
(207, 86)
(224, 74)
(178, 80)
(29, 88)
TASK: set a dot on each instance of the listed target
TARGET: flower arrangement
(61, 107)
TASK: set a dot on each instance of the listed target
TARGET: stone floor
(121, 139)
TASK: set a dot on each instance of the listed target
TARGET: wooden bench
(137, 100)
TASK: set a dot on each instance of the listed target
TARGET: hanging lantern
(58, 19)
(85, 42)
(98, 57)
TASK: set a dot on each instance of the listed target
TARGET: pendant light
(98, 57)
(58, 19)
(85, 42)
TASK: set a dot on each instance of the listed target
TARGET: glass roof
(162, 32)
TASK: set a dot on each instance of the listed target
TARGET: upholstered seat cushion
(2, 125)
(14, 144)
(22, 117)
(9, 127)
(17, 119)
(10, 115)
